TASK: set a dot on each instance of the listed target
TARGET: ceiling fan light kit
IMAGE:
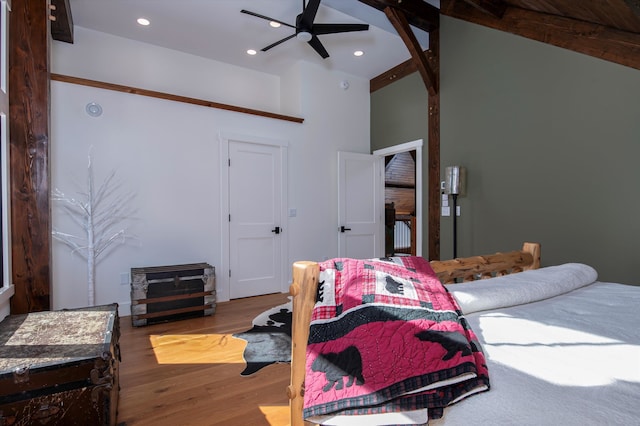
(304, 36)
(307, 30)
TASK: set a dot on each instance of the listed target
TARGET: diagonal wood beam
(495, 8)
(400, 23)
(419, 13)
(610, 44)
(399, 71)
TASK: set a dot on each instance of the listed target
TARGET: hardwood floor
(188, 372)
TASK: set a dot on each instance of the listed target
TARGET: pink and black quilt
(387, 337)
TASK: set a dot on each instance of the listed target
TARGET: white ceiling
(217, 30)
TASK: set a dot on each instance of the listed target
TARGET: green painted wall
(551, 142)
(399, 113)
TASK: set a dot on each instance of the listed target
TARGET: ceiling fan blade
(264, 49)
(265, 17)
(321, 29)
(309, 13)
(318, 47)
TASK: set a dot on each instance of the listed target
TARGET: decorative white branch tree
(98, 213)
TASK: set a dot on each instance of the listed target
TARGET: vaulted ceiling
(606, 29)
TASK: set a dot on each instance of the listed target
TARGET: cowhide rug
(269, 340)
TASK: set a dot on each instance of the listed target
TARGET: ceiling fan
(307, 30)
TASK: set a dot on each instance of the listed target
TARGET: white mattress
(568, 359)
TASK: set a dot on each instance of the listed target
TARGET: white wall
(167, 153)
(104, 57)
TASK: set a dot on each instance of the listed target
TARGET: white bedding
(571, 358)
(525, 287)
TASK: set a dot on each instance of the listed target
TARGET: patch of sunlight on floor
(276, 415)
(197, 348)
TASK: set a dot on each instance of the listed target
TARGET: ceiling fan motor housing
(302, 33)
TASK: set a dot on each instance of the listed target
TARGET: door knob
(276, 230)
(343, 229)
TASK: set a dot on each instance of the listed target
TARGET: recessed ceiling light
(358, 53)
(274, 24)
(143, 21)
(251, 52)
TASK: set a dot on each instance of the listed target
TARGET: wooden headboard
(481, 267)
(305, 285)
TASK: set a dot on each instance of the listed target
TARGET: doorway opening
(402, 198)
(400, 204)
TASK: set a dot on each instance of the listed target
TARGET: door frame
(223, 284)
(404, 147)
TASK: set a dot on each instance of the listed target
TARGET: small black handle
(343, 229)
(277, 230)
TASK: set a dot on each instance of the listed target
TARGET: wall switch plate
(457, 210)
(446, 211)
(124, 278)
(293, 212)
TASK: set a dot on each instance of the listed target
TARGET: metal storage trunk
(60, 367)
(168, 293)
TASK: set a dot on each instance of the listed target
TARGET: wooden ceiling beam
(610, 44)
(401, 24)
(61, 21)
(386, 78)
(419, 13)
(495, 8)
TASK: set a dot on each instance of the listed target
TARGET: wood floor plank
(188, 372)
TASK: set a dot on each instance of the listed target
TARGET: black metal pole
(455, 228)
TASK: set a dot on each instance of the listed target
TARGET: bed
(560, 346)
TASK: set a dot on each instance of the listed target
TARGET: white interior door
(360, 206)
(255, 219)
